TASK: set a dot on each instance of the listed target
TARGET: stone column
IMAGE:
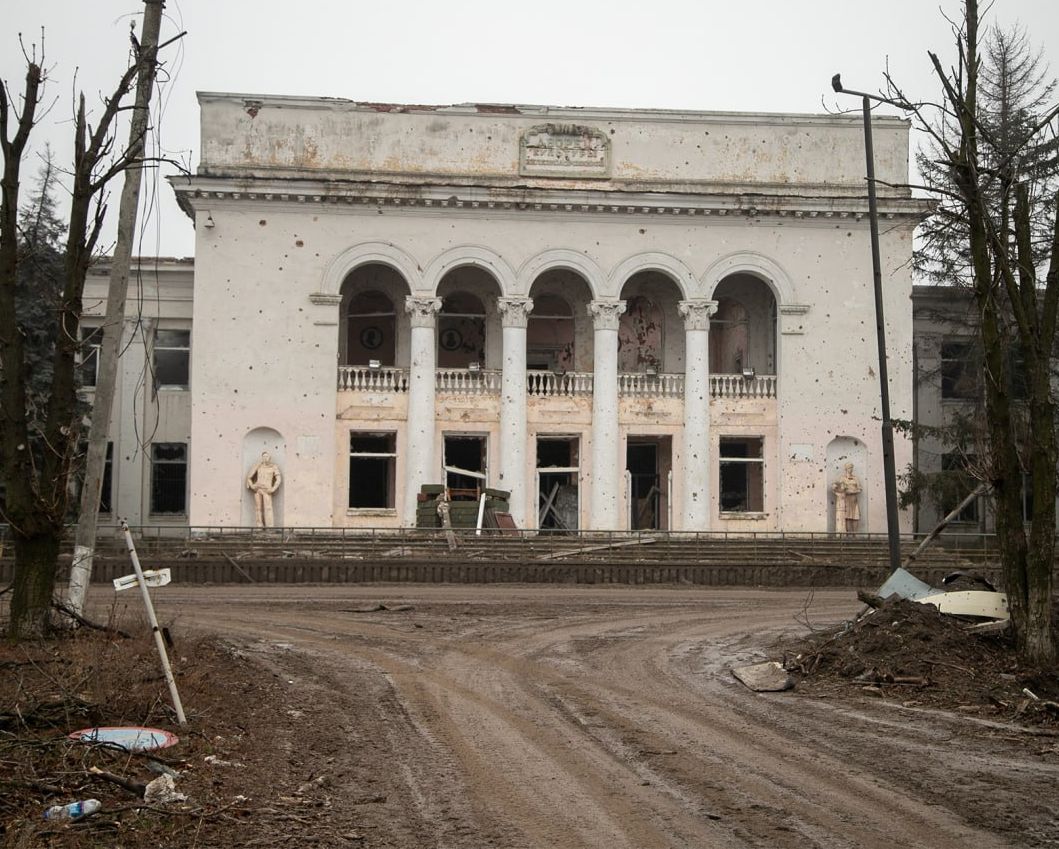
(695, 515)
(514, 314)
(422, 381)
(607, 479)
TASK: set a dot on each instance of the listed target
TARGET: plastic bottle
(73, 811)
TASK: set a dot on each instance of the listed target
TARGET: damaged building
(628, 319)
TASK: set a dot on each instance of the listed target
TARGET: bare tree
(37, 454)
(990, 162)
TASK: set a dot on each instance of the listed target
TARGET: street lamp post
(893, 531)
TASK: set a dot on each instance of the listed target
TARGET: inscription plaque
(564, 150)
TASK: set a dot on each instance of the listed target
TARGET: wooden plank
(589, 548)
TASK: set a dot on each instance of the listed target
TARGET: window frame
(746, 462)
(157, 348)
(89, 353)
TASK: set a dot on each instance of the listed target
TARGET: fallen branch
(81, 620)
(137, 788)
(238, 568)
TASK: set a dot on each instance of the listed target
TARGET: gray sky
(754, 55)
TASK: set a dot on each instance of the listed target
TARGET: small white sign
(151, 577)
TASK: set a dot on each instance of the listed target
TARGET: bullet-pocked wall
(375, 279)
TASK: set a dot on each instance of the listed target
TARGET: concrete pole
(606, 457)
(88, 516)
(422, 389)
(514, 313)
(696, 454)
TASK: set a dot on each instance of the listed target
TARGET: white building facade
(627, 319)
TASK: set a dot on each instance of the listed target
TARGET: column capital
(697, 314)
(422, 311)
(514, 312)
(605, 314)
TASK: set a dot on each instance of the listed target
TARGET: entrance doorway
(465, 466)
(648, 464)
(558, 493)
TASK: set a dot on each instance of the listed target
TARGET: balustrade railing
(463, 381)
(651, 385)
(545, 383)
(365, 379)
(737, 386)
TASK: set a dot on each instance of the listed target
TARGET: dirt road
(585, 717)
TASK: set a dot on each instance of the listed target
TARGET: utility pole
(106, 380)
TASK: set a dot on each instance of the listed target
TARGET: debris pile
(913, 653)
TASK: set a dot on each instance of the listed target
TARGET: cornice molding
(202, 192)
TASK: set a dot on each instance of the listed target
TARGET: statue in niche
(847, 501)
(264, 479)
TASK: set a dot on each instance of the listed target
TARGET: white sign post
(157, 578)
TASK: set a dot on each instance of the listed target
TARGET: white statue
(847, 502)
(264, 479)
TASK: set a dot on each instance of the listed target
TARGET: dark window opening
(372, 463)
(169, 477)
(172, 358)
(107, 489)
(742, 474)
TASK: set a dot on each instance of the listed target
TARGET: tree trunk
(31, 593)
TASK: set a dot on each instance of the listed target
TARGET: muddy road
(555, 717)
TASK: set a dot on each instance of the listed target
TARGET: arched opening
(461, 331)
(647, 331)
(369, 327)
(468, 325)
(550, 335)
(743, 332)
(559, 332)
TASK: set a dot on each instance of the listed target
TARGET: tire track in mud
(592, 728)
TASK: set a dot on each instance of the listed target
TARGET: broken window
(742, 474)
(169, 477)
(960, 367)
(558, 470)
(172, 358)
(372, 470)
(464, 466)
(371, 329)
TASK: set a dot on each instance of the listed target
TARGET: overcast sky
(753, 55)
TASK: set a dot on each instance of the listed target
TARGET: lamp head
(836, 83)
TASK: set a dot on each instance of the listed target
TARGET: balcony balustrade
(548, 383)
(365, 379)
(552, 384)
(737, 386)
(651, 385)
(463, 381)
